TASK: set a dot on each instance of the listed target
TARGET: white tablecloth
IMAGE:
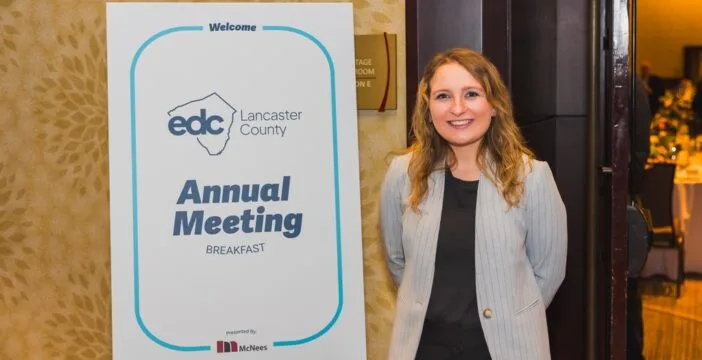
(687, 205)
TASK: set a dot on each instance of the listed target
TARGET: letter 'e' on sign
(376, 71)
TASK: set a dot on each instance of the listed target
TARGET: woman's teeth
(460, 122)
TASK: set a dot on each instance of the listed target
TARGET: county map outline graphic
(210, 106)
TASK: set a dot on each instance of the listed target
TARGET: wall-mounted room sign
(376, 71)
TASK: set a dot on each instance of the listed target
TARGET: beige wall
(54, 219)
(663, 28)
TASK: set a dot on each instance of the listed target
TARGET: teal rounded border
(135, 210)
(337, 207)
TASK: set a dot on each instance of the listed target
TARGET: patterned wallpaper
(54, 214)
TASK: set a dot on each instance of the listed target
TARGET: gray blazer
(520, 258)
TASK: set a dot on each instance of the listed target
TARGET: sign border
(135, 212)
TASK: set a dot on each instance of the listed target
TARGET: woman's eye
(472, 94)
(441, 96)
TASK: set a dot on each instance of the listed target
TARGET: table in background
(687, 205)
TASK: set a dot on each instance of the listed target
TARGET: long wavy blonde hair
(501, 151)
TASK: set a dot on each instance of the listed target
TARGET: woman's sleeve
(547, 230)
(391, 219)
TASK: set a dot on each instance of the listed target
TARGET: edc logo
(208, 119)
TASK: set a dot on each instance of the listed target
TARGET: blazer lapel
(485, 190)
(428, 234)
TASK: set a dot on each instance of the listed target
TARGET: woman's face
(460, 112)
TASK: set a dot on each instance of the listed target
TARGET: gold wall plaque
(376, 71)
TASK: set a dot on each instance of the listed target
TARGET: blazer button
(487, 313)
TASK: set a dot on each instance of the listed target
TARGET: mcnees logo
(233, 346)
(208, 121)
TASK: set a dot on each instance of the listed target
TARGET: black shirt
(452, 323)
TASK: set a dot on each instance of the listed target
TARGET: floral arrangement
(670, 125)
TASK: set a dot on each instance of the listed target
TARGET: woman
(474, 227)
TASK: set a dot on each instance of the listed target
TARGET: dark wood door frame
(609, 89)
(597, 223)
(618, 93)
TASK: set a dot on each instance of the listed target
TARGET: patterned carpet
(673, 327)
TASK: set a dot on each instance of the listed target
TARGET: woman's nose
(458, 107)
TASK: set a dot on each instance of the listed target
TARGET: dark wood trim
(412, 56)
(497, 40)
(596, 227)
(619, 128)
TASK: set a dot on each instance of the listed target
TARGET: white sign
(234, 182)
